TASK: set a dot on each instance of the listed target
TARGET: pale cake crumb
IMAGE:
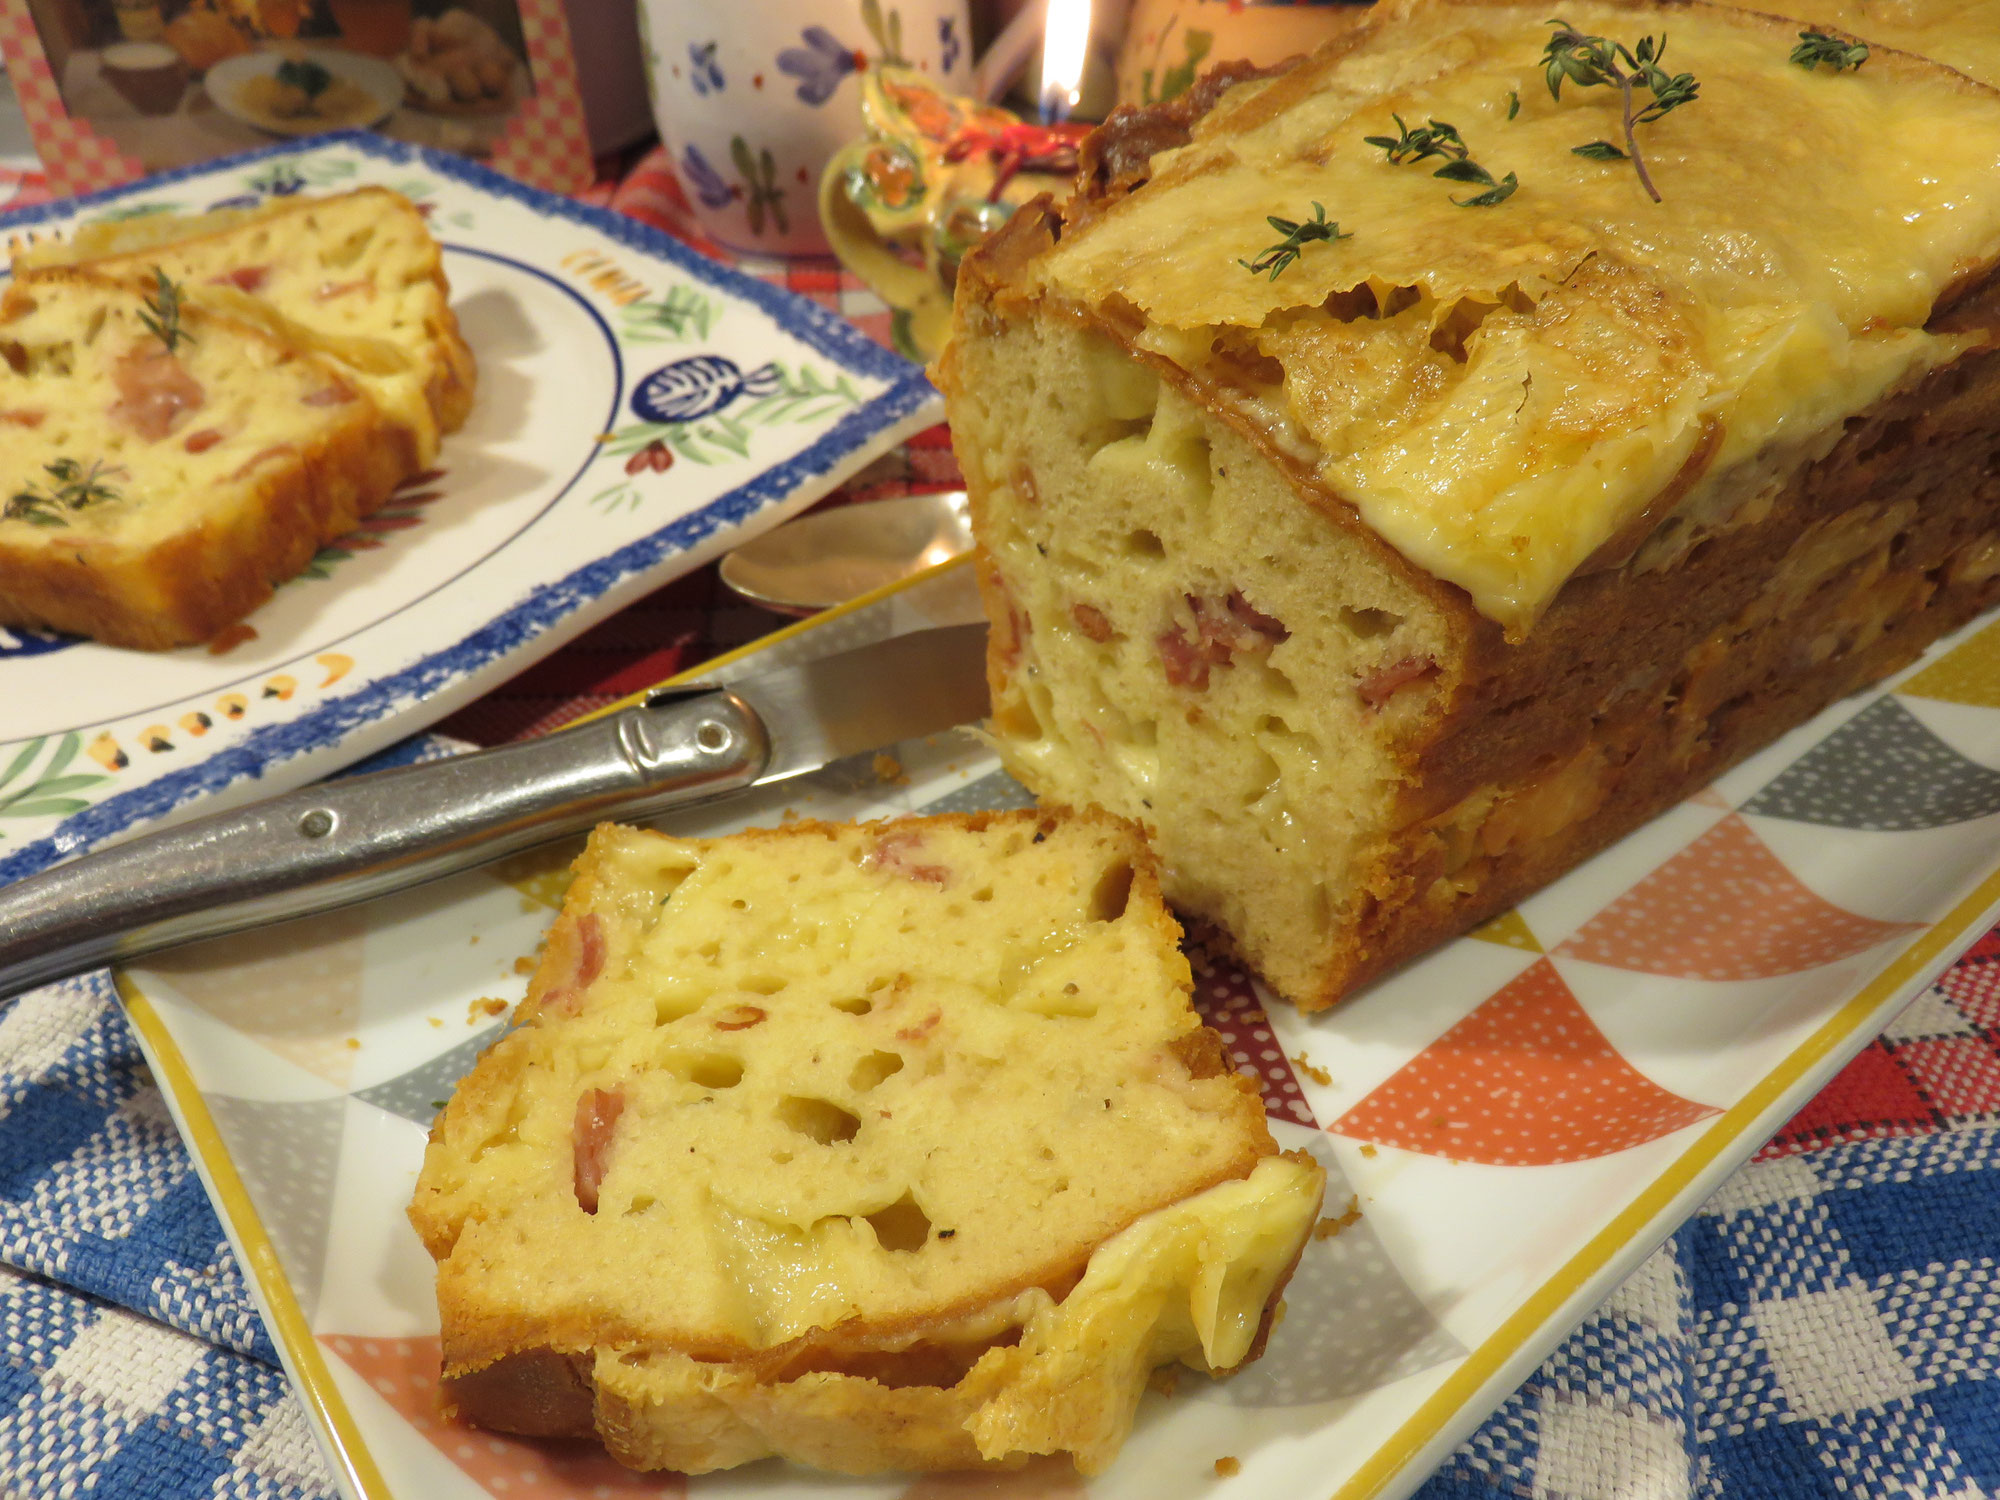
(1368, 1150)
(525, 964)
(1327, 1228)
(889, 771)
(1228, 1467)
(483, 1007)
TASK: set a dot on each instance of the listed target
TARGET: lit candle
(1065, 45)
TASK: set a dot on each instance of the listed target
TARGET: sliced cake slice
(895, 1145)
(163, 466)
(356, 276)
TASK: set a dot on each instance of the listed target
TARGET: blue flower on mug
(704, 179)
(705, 72)
(948, 43)
(820, 64)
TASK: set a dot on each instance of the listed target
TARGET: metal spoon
(833, 555)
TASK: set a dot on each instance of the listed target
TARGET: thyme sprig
(162, 316)
(74, 488)
(1437, 138)
(1433, 139)
(1297, 235)
(1816, 47)
(1585, 60)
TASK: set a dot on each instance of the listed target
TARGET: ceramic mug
(753, 98)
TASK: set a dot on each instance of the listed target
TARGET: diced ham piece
(582, 949)
(1092, 621)
(202, 441)
(243, 278)
(739, 1018)
(155, 391)
(1379, 686)
(892, 852)
(23, 418)
(1223, 631)
(597, 1112)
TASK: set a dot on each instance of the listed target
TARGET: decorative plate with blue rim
(641, 410)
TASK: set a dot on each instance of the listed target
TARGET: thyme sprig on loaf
(1837, 52)
(1439, 138)
(1588, 61)
(75, 488)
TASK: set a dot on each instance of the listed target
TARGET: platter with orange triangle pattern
(1509, 1126)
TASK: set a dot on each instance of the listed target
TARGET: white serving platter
(1519, 1119)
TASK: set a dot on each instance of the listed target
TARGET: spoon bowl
(831, 556)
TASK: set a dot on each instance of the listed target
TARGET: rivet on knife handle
(344, 841)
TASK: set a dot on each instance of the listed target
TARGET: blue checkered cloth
(1828, 1325)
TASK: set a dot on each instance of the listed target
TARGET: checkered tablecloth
(1828, 1325)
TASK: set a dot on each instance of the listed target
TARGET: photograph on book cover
(116, 89)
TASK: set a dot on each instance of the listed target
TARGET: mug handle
(914, 290)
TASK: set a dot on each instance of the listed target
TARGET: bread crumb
(1367, 1149)
(525, 964)
(1319, 1076)
(889, 770)
(1326, 1229)
(354, 1044)
(1227, 1467)
(789, 815)
(475, 941)
(437, 1020)
(483, 1007)
(1166, 1379)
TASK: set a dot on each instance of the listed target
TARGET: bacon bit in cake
(1223, 632)
(597, 1112)
(1379, 686)
(1092, 622)
(1319, 1076)
(332, 395)
(889, 771)
(892, 851)
(328, 290)
(1326, 1229)
(23, 418)
(201, 442)
(243, 278)
(154, 391)
(922, 1029)
(588, 951)
(1228, 1466)
(740, 1018)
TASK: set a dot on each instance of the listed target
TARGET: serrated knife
(344, 841)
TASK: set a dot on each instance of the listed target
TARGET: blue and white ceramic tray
(641, 410)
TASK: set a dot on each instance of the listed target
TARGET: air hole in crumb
(781, 1158)
(902, 1225)
(854, 1005)
(820, 1119)
(1369, 623)
(739, 904)
(710, 950)
(984, 893)
(763, 984)
(1112, 893)
(716, 1070)
(1143, 543)
(672, 1005)
(871, 1070)
(640, 1204)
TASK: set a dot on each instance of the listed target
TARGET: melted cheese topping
(1500, 390)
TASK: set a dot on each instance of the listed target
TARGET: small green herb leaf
(1463, 171)
(308, 77)
(1500, 192)
(1297, 235)
(1837, 52)
(1513, 104)
(162, 316)
(1598, 151)
(1433, 139)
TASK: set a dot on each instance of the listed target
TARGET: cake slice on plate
(884, 1146)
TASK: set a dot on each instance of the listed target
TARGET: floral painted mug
(754, 97)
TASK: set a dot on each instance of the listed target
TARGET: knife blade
(345, 841)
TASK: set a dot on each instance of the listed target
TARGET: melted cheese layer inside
(1501, 390)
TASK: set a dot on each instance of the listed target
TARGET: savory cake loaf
(884, 1146)
(163, 465)
(356, 277)
(1389, 544)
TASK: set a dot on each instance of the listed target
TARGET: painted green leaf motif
(27, 793)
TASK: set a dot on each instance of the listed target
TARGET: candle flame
(1065, 44)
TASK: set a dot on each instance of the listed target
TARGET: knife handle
(344, 841)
